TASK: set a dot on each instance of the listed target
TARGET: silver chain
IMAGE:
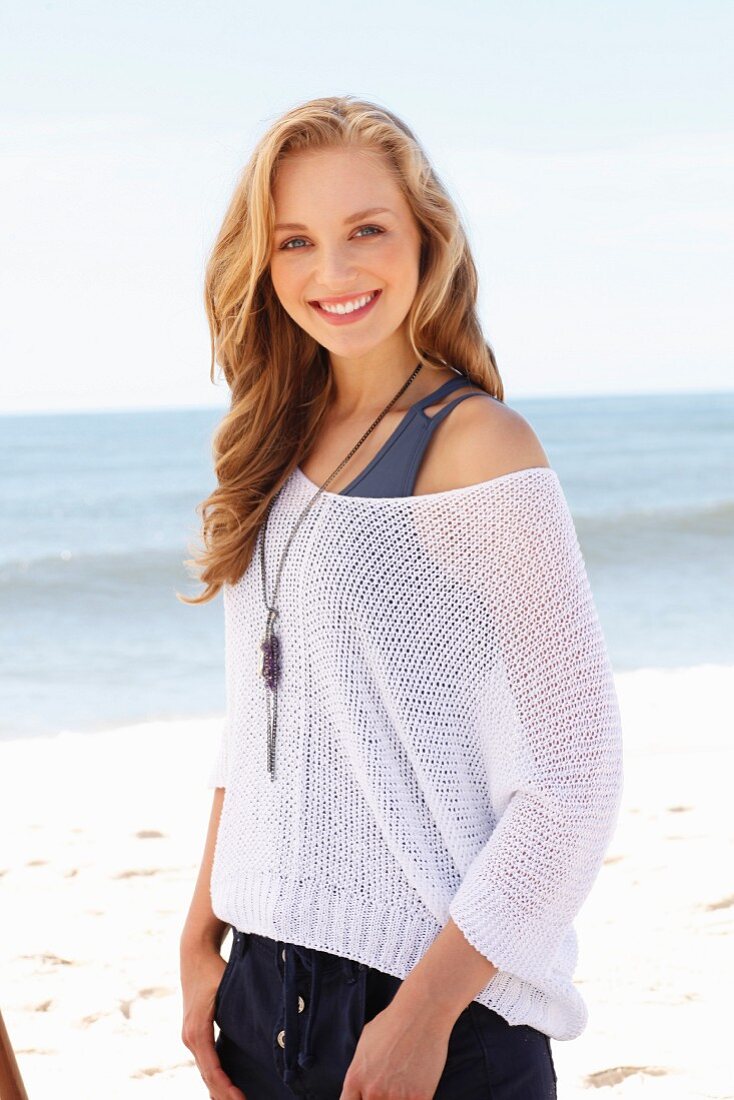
(270, 644)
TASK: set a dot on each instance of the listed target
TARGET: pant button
(282, 954)
(281, 1039)
(301, 1004)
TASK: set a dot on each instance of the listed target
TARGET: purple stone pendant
(270, 660)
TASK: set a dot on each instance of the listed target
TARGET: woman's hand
(398, 1057)
(202, 968)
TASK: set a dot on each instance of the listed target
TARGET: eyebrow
(347, 221)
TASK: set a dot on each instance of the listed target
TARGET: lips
(345, 318)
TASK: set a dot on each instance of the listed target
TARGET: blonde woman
(420, 769)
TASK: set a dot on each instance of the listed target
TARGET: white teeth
(348, 307)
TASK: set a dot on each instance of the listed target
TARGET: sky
(588, 147)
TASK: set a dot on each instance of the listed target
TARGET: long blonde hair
(278, 375)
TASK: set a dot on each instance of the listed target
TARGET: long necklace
(270, 662)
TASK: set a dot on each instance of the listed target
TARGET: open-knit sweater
(448, 736)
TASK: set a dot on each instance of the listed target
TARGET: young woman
(420, 770)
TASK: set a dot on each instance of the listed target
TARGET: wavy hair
(278, 375)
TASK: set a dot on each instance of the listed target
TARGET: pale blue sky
(588, 145)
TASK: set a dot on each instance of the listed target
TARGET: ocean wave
(715, 519)
(71, 569)
(604, 532)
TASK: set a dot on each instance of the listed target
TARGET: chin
(351, 349)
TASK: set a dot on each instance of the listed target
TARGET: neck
(363, 385)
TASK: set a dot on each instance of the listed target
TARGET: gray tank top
(393, 470)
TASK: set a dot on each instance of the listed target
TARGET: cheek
(282, 281)
(289, 289)
(289, 279)
(400, 262)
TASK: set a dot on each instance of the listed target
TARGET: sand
(102, 835)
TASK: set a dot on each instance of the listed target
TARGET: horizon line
(525, 396)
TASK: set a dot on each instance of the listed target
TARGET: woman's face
(344, 234)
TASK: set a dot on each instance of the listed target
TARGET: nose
(335, 272)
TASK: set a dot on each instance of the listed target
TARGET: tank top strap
(436, 395)
(444, 411)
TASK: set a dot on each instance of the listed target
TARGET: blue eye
(286, 244)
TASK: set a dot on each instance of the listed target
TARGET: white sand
(101, 840)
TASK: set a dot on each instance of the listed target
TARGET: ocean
(98, 515)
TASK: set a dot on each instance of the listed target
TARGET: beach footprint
(725, 903)
(615, 1075)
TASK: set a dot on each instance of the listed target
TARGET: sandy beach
(101, 840)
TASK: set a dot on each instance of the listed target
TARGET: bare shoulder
(481, 438)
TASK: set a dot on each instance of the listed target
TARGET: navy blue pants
(290, 1018)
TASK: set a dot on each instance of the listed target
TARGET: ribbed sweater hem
(381, 934)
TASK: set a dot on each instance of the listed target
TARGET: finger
(216, 1080)
(351, 1090)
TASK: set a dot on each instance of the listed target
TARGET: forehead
(332, 183)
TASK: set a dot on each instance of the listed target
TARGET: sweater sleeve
(218, 770)
(562, 777)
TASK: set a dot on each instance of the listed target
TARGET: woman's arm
(201, 925)
(202, 928)
(561, 775)
(202, 967)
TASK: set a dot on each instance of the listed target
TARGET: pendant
(270, 665)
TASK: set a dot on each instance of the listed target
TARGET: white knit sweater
(448, 738)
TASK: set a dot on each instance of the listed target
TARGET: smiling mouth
(347, 307)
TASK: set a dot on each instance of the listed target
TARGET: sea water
(99, 513)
